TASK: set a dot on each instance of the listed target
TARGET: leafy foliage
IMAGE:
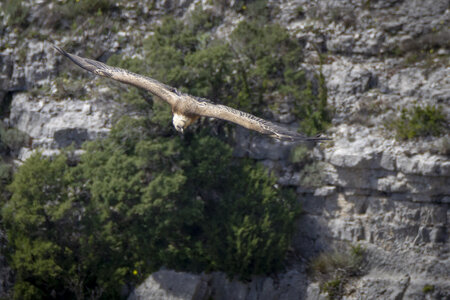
(16, 13)
(419, 121)
(59, 14)
(137, 201)
(74, 12)
(11, 140)
(258, 67)
(311, 172)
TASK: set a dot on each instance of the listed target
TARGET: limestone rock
(171, 285)
(167, 284)
(53, 125)
(386, 287)
(40, 65)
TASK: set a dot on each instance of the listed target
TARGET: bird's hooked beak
(180, 129)
(179, 122)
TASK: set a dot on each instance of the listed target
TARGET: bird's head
(180, 122)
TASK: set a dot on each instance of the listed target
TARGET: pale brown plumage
(186, 109)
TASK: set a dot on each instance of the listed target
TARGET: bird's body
(187, 109)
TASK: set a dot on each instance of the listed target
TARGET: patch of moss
(428, 288)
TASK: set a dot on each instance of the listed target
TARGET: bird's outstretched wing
(155, 87)
(209, 109)
(192, 106)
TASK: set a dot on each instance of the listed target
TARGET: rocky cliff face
(58, 124)
(392, 197)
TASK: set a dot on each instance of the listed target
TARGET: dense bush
(11, 140)
(59, 14)
(16, 12)
(419, 121)
(138, 201)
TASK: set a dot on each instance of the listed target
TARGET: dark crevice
(5, 104)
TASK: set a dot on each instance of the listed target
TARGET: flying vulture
(187, 109)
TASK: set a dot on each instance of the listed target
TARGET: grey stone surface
(166, 284)
(249, 144)
(55, 124)
(171, 285)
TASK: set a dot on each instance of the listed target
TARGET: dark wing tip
(285, 134)
(59, 50)
(68, 55)
(87, 64)
(301, 138)
(318, 138)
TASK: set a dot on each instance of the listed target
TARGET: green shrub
(201, 21)
(312, 175)
(300, 154)
(5, 174)
(69, 88)
(138, 200)
(70, 10)
(418, 122)
(12, 139)
(16, 13)
(257, 10)
(428, 288)
(333, 269)
(269, 60)
(78, 15)
(311, 171)
(333, 288)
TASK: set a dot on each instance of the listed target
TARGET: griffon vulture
(187, 109)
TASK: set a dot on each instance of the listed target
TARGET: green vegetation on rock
(143, 197)
(11, 140)
(138, 201)
(258, 68)
(16, 13)
(333, 269)
(428, 288)
(419, 122)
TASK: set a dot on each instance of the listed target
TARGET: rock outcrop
(171, 285)
(54, 125)
(166, 284)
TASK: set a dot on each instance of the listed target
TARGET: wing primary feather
(87, 64)
(155, 87)
(249, 121)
